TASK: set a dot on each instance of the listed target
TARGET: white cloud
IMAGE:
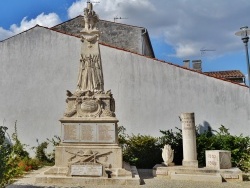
(47, 20)
(185, 50)
(5, 33)
(76, 8)
(42, 19)
(108, 9)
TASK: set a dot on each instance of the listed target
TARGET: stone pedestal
(89, 154)
(189, 140)
(218, 159)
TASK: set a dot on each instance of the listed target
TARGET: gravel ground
(148, 181)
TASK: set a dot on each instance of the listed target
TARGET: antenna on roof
(119, 18)
(88, 1)
(203, 51)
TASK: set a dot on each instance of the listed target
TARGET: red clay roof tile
(226, 74)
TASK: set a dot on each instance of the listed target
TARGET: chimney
(186, 63)
(197, 65)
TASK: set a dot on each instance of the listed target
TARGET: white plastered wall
(39, 65)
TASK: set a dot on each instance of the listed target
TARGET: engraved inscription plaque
(70, 132)
(89, 132)
(106, 133)
(86, 169)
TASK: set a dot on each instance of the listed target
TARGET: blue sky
(178, 29)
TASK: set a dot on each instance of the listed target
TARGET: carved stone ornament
(90, 104)
(167, 155)
(70, 113)
(90, 18)
(89, 107)
(89, 156)
(107, 113)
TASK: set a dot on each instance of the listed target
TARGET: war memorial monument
(89, 152)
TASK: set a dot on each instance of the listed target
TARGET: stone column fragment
(189, 140)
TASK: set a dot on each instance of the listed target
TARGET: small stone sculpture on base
(218, 162)
(168, 155)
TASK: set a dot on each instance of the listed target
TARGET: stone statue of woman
(90, 76)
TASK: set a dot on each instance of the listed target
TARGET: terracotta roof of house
(226, 74)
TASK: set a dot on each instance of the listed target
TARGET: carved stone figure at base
(167, 155)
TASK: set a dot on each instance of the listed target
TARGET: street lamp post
(243, 33)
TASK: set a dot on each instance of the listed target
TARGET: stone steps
(197, 177)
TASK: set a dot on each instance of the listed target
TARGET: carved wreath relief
(89, 104)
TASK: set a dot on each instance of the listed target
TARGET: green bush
(5, 151)
(55, 142)
(15, 160)
(28, 164)
(223, 140)
(145, 151)
(139, 150)
(8, 160)
(41, 153)
(17, 147)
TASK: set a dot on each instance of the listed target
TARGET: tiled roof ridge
(226, 73)
(100, 20)
(224, 70)
(122, 49)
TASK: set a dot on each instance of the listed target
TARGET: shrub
(41, 153)
(140, 150)
(18, 147)
(55, 142)
(28, 164)
(223, 140)
(145, 151)
(14, 159)
(8, 160)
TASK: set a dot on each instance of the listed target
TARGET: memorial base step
(59, 176)
(197, 177)
(187, 173)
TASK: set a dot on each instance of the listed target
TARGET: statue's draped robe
(90, 74)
